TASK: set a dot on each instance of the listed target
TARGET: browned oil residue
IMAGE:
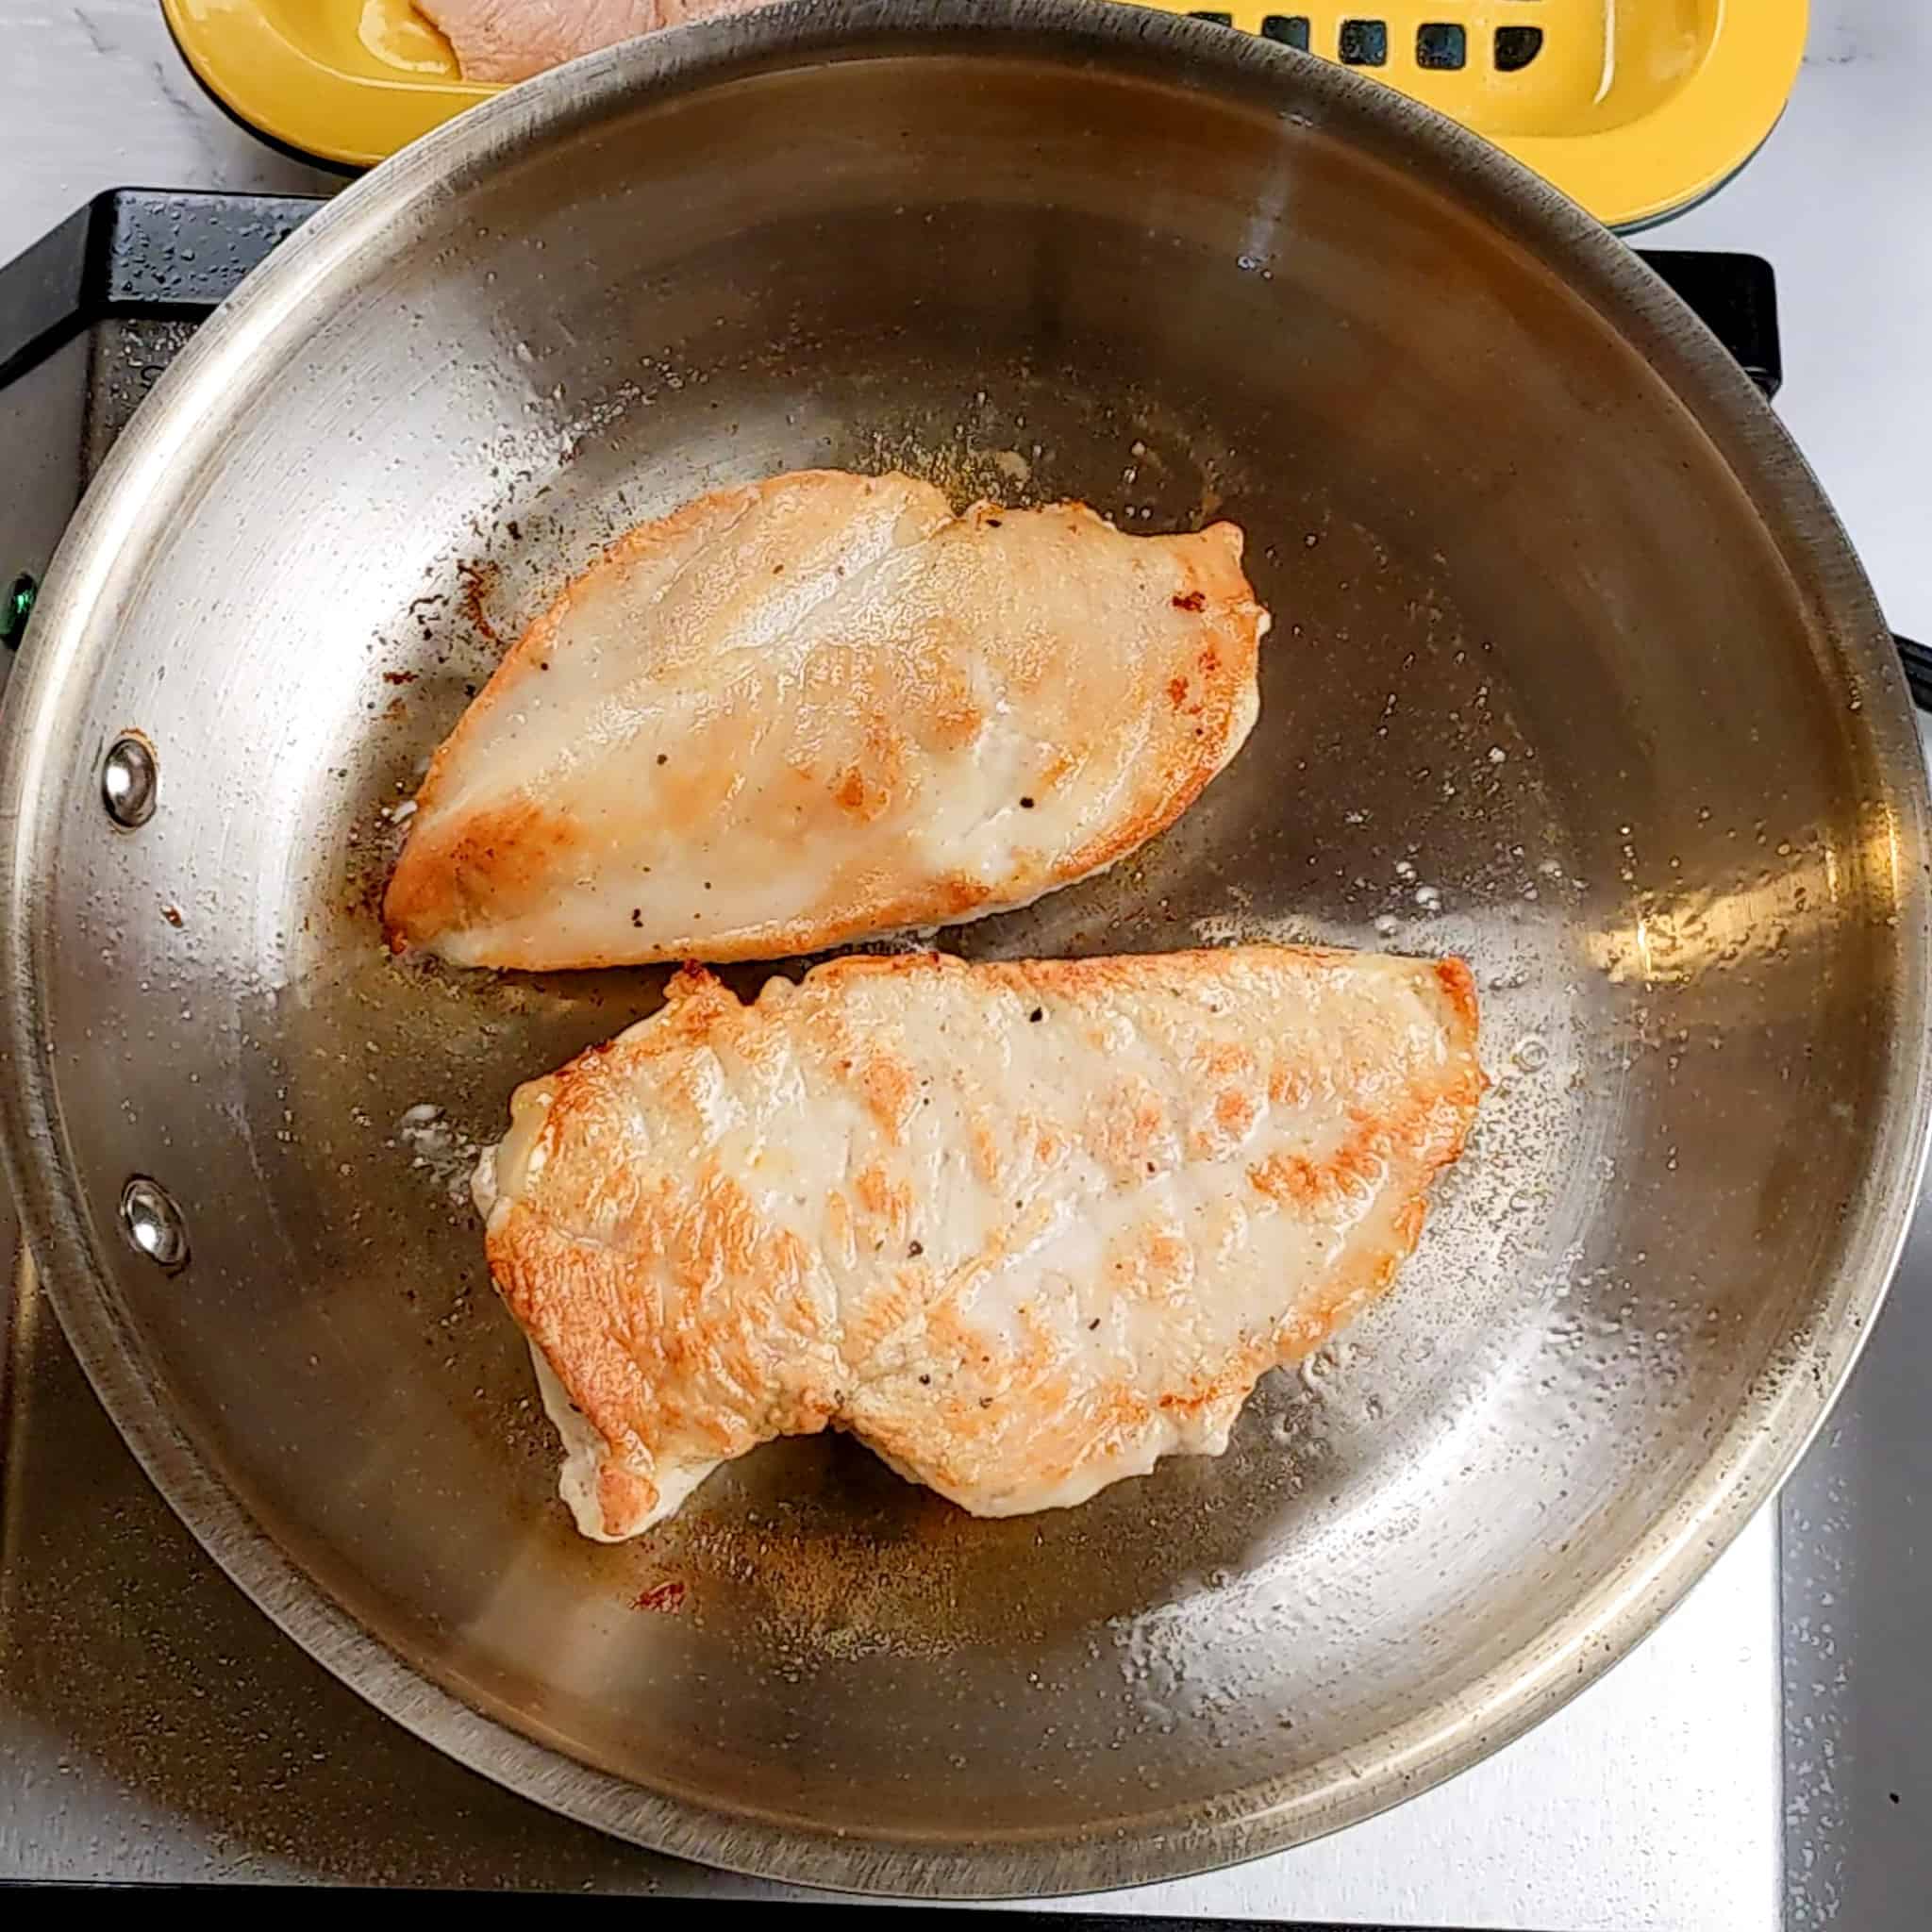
(172, 915)
(893, 1582)
(368, 883)
(399, 678)
(478, 581)
(667, 1596)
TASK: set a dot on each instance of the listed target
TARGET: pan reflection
(1796, 901)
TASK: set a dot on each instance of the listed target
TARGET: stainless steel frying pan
(1573, 672)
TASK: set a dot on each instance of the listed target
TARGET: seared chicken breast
(822, 707)
(511, 40)
(1023, 1228)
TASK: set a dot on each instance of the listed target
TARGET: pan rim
(1746, 1461)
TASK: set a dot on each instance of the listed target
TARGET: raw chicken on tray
(505, 41)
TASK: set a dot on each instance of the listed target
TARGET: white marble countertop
(1654, 1802)
(98, 97)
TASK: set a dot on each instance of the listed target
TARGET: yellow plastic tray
(345, 80)
(1633, 107)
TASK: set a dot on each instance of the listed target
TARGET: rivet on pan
(152, 1223)
(129, 781)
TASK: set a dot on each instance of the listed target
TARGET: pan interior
(1542, 691)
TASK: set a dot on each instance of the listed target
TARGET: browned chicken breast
(822, 707)
(1023, 1228)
